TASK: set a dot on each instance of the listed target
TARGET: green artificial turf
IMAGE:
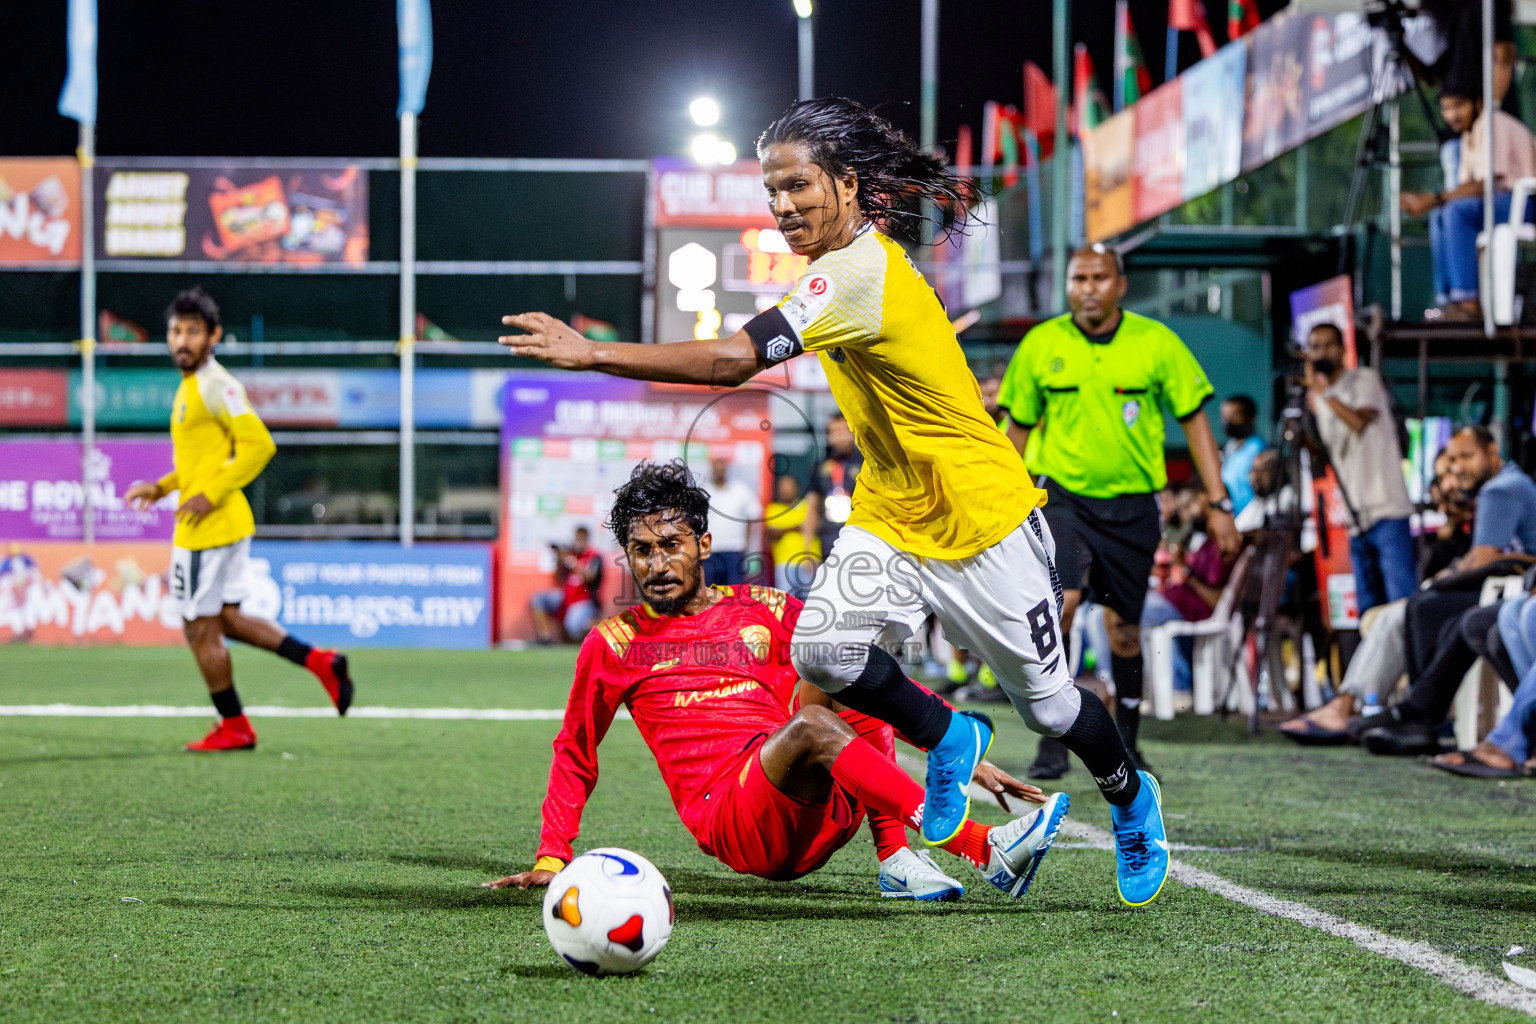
(330, 874)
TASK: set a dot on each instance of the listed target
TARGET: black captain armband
(773, 337)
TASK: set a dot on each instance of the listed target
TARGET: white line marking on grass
(1419, 955)
(273, 711)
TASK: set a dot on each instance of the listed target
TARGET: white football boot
(1019, 846)
(906, 875)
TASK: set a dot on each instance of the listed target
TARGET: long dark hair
(900, 186)
(666, 489)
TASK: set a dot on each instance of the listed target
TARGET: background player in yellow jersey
(220, 445)
(945, 519)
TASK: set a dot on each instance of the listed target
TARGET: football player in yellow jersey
(220, 445)
(945, 519)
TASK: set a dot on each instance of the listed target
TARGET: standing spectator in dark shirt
(832, 485)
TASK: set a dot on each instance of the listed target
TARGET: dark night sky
(597, 79)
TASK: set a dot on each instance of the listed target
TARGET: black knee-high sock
(1094, 739)
(883, 691)
(296, 651)
(227, 703)
(1128, 690)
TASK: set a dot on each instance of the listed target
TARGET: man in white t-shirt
(734, 509)
(1354, 420)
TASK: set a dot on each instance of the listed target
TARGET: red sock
(889, 834)
(971, 843)
(876, 782)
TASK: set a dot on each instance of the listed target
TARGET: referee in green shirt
(1083, 396)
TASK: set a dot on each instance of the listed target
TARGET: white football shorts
(203, 582)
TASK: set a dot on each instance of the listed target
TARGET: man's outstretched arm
(589, 711)
(724, 362)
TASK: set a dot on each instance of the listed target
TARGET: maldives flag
(1242, 17)
(1189, 16)
(1132, 80)
(1089, 107)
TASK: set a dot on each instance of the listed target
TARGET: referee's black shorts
(1104, 546)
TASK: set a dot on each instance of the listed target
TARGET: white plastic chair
(1217, 641)
(1496, 268)
(1469, 694)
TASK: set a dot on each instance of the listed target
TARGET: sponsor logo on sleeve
(234, 400)
(809, 300)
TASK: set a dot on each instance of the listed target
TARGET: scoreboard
(716, 258)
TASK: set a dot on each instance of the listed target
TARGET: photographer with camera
(565, 612)
(1355, 424)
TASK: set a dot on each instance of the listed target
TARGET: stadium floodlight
(704, 111)
(803, 8)
(725, 153)
(705, 147)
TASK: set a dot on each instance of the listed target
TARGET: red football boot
(230, 734)
(330, 667)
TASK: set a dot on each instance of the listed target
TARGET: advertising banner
(331, 594)
(1213, 122)
(345, 595)
(1108, 174)
(1275, 96)
(243, 212)
(1159, 154)
(568, 440)
(1338, 69)
(688, 195)
(42, 498)
(58, 592)
(39, 209)
(34, 398)
(446, 398)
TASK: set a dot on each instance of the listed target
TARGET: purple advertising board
(42, 497)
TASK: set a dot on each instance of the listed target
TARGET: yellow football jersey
(939, 480)
(220, 445)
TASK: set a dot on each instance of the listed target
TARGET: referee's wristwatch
(1224, 505)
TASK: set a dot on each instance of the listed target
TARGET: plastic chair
(1496, 264)
(1470, 696)
(1217, 640)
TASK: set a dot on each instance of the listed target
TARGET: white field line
(272, 711)
(1419, 955)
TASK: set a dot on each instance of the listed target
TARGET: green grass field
(331, 874)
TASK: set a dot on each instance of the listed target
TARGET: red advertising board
(688, 195)
(34, 398)
(39, 210)
(1159, 159)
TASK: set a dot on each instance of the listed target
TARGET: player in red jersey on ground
(707, 674)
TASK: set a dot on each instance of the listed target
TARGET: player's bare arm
(143, 494)
(725, 362)
(1203, 449)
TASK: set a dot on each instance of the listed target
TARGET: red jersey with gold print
(701, 688)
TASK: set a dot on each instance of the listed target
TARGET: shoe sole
(991, 735)
(1052, 827)
(1157, 793)
(216, 750)
(946, 896)
(344, 686)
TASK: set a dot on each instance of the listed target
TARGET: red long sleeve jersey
(700, 687)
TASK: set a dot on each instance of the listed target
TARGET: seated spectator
(1192, 585)
(1381, 659)
(1454, 537)
(1444, 629)
(1456, 215)
(1239, 421)
(791, 538)
(1506, 750)
(566, 612)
